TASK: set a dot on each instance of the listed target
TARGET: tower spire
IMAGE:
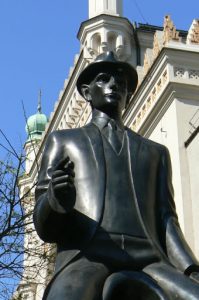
(39, 102)
(110, 7)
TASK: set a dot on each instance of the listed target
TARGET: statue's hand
(62, 183)
(195, 276)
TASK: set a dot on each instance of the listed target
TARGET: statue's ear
(86, 92)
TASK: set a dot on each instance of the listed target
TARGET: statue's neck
(116, 117)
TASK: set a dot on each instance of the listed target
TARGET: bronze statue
(105, 197)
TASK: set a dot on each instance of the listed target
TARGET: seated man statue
(105, 197)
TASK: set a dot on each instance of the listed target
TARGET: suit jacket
(72, 229)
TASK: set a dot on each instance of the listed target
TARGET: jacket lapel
(141, 182)
(134, 142)
(137, 169)
(97, 189)
(140, 165)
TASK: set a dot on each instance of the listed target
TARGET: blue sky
(38, 44)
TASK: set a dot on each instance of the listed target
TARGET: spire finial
(39, 102)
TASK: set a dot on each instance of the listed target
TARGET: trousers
(108, 254)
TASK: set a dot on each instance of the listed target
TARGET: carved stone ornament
(156, 47)
(193, 34)
(170, 32)
(146, 64)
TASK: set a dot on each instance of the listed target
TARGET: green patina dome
(36, 125)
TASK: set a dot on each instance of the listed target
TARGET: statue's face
(108, 91)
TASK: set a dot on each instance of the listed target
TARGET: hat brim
(91, 71)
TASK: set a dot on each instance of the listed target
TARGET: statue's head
(107, 79)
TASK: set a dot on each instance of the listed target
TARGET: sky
(38, 44)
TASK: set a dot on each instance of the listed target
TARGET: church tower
(35, 127)
(35, 267)
(106, 30)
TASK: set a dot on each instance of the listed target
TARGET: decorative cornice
(106, 18)
(150, 102)
(161, 80)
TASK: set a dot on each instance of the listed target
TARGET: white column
(111, 7)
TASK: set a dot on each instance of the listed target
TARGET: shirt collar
(100, 119)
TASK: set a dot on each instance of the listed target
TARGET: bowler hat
(108, 62)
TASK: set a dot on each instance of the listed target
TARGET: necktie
(114, 135)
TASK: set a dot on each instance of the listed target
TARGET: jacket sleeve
(178, 251)
(50, 219)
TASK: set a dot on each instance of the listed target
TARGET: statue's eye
(121, 82)
(103, 78)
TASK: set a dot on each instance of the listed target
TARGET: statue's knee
(132, 285)
(114, 285)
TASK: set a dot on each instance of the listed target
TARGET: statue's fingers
(63, 186)
(62, 179)
(58, 173)
(62, 163)
(70, 172)
(70, 169)
(70, 165)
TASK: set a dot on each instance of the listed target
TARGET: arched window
(96, 42)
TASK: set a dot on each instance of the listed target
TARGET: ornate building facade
(164, 108)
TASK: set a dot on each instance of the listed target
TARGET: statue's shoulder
(65, 135)
(146, 142)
